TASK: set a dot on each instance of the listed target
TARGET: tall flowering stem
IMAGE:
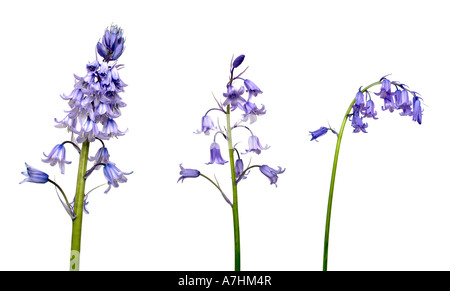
(94, 102)
(234, 207)
(234, 102)
(333, 178)
(78, 208)
(362, 106)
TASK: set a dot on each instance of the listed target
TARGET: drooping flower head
(57, 156)
(369, 110)
(187, 173)
(254, 145)
(239, 169)
(385, 90)
(252, 89)
(357, 122)
(207, 125)
(69, 123)
(102, 156)
(34, 176)
(113, 175)
(215, 156)
(89, 131)
(404, 104)
(318, 133)
(271, 173)
(386, 94)
(360, 111)
(417, 110)
(364, 107)
(359, 101)
(110, 129)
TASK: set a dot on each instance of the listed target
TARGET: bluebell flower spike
(235, 100)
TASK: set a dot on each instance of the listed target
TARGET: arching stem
(333, 178)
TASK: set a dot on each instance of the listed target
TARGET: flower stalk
(78, 208)
(237, 244)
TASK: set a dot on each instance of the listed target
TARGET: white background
(391, 202)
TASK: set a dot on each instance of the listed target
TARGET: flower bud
(238, 61)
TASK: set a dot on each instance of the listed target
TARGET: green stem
(333, 177)
(78, 208)
(237, 247)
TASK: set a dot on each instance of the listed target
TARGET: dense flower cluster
(94, 105)
(364, 106)
(237, 98)
(95, 101)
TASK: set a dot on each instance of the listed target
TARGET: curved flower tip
(252, 89)
(255, 146)
(187, 173)
(215, 156)
(238, 61)
(102, 156)
(318, 133)
(34, 176)
(271, 173)
(113, 175)
(207, 125)
(57, 155)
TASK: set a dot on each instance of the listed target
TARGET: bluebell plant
(395, 96)
(94, 104)
(247, 110)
